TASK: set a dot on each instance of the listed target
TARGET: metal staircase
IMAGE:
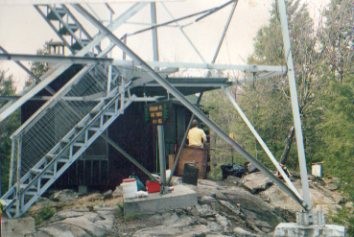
(70, 30)
(67, 27)
(52, 165)
(63, 128)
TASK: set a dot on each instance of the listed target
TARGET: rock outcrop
(250, 206)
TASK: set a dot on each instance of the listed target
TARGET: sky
(23, 30)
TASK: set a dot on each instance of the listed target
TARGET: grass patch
(344, 217)
(44, 214)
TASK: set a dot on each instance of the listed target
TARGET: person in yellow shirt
(196, 136)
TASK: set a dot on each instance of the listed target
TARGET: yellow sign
(156, 114)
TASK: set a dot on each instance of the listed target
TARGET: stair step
(36, 171)
(79, 45)
(79, 144)
(109, 113)
(31, 193)
(23, 186)
(80, 126)
(50, 156)
(52, 16)
(47, 176)
(95, 129)
(65, 31)
(65, 140)
(62, 160)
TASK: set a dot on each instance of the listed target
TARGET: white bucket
(129, 188)
(317, 169)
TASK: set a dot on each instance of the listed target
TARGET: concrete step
(181, 197)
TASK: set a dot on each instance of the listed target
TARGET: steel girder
(5, 112)
(173, 91)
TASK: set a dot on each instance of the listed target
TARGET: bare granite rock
(79, 224)
(256, 182)
(64, 195)
(246, 207)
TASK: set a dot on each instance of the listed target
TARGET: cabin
(101, 166)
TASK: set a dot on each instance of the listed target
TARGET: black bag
(232, 169)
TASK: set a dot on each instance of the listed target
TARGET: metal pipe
(244, 68)
(294, 103)
(178, 95)
(162, 158)
(18, 174)
(12, 163)
(185, 35)
(183, 142)
(55, 58)
(155, 43)
(126, 155)
(224, 32)
(208, 11)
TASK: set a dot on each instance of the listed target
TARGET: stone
(206, 200)
(256, 182)
(221, 220)
(203, 211)
(322, 199)
(107, 195)
(18, 227)
(214, 226)
(232, 180)
(64, 195)
(234, 209)
(77, 224)
(118, 192)
(348, 205)
(243, 233)
(62, 215)
(62, 230)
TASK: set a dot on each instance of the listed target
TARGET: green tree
(6, 128)
(268, 100)
(335, 126)
(39, 68)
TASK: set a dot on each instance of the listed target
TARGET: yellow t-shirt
(196, 137)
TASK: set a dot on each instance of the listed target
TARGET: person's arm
(204, 138)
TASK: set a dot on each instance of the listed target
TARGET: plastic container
(317, 170)
(152, 186)
(129, 188)
(190, 174)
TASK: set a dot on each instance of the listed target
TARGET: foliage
(6, 128)
(337, 132)
(325, 86)
(334, 100)
(344, 217)
(39, 68)
(44, 214)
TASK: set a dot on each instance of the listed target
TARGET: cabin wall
(138, 137)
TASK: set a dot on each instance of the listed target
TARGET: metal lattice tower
(55, 136)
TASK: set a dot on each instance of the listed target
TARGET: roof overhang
(187, 86)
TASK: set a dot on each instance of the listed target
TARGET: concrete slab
(181, 197)
(296, 230)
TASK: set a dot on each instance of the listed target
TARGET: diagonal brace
(179, 96)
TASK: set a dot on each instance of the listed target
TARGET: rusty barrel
(196, 156)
